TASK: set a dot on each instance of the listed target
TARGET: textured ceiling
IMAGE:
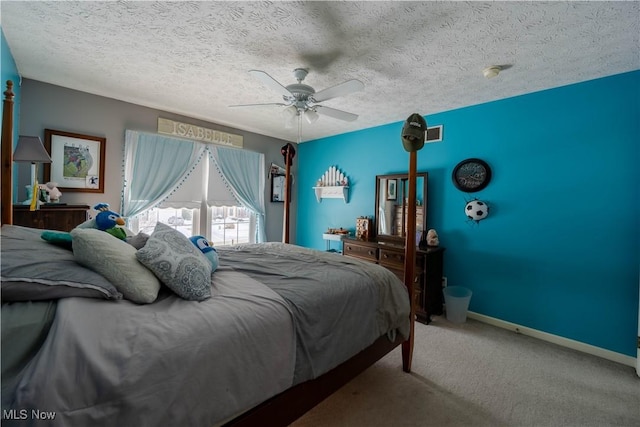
(192, 58)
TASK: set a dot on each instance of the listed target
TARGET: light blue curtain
(154, 166)
(157, 165)
(245, 174)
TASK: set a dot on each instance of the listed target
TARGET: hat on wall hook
(414, 132)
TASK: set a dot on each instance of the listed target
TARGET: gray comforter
(340, 305)
(279, 315)
(173, 362)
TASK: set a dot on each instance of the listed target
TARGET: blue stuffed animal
(207, 249)
(109, 221)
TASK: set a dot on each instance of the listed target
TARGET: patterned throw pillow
(177, 263)
(115, 260)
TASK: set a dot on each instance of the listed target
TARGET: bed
(282, 329)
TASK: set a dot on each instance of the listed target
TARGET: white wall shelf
(333, 184)
(332, 192)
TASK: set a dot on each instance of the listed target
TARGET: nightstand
(61, 217)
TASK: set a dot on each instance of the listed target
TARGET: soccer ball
(476, 210)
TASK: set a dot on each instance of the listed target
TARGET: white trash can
(456, 301)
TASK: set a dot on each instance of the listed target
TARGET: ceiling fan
(302, 100)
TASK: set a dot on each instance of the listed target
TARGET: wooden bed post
(7, 149)
(286, 198)
(413, 135)
(288, 152)
(410, 260)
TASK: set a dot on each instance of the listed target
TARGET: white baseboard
(555, 339)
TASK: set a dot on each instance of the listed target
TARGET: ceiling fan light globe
(311, 116)
(289, 112)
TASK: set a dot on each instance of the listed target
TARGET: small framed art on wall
(277, 188)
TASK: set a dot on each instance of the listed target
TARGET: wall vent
(434, 134)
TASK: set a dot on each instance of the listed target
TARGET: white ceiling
(192, 58)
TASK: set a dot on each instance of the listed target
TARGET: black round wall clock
(471, 175)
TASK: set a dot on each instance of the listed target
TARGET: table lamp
(30, 149)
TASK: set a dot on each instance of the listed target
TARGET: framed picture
(277, 188)
(392, 188)
(77, 161)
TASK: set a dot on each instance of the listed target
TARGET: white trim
(555, 339)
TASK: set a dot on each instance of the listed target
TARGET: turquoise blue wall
(8, 68)
(9, 71)
(560, 250)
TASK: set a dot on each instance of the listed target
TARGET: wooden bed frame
(291, 404)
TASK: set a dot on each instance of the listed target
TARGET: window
(199, 189)
(229, 224)
(180, 219)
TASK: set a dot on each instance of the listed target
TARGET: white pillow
(116, 260)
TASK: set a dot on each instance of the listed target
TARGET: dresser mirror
(392, 194)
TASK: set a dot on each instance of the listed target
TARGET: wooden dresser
(59, 217)
(429, 264)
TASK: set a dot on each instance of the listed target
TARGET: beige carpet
(474, 374)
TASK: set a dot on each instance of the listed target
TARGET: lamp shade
(31, 150)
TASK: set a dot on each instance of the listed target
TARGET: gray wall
(44, 106)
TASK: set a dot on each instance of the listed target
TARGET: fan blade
(280, 104)
(342, 89)
(336, 114)
(270, 82)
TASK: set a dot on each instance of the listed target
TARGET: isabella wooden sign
(185, 130)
